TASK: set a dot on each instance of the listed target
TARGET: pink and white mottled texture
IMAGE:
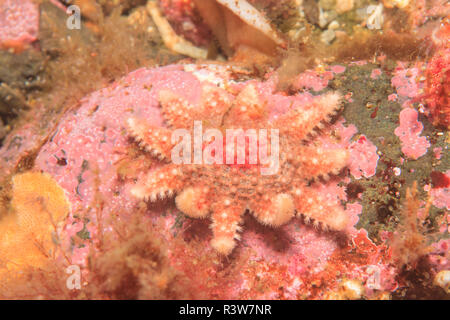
(313, 80)
(375, 73)
(363, 153)
(337, 69)
(405, 81)
(363, 158)
(393, 97)
(437, 152)
(441, 196)
(413, 146)
(19, 23)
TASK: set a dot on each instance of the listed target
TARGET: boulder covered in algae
(91, 156)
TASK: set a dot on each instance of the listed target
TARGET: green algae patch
(376, 117)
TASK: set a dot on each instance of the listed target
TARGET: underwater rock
(19, 24)
(91, 157)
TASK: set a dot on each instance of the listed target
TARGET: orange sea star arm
(181, 114)
(215, 103)
(177, 112)
(247, 109)
(155, 140)
(301, 121)
(313, 162)
(273, 211)
(160, 183)
(226, 219)
(194, 202)
(317, 209)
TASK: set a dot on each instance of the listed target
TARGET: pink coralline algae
(19, 23)
(437, 153)
(338, 69)
(90, 143)
(393, 97)
(375, 73)
(313, 80)
(405, 81)
(441, 194)
(364, 158)
(413, 146)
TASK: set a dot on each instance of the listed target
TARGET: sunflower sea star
(227, 191)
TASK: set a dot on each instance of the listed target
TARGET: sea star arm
(274, 211)
(194, 201)
(247, 109)
(315, 208)
(215, 103)
(226, 219)
(181, 114)
(155, 140)
(301, 121)
(320, 162)
(176, 110)
(158, 184)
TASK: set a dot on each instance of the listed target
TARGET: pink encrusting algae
(375, 73)
(405, 81)
(79, 149)
(413, 145)
(19, 23)
(441, 194)
(313, 80)
(364, 158)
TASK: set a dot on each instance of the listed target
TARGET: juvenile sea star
(226, 191)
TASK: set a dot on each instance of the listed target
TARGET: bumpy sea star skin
(227, 191)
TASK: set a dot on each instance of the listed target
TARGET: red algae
(437, 90)
(313, 80)
(375, 73)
